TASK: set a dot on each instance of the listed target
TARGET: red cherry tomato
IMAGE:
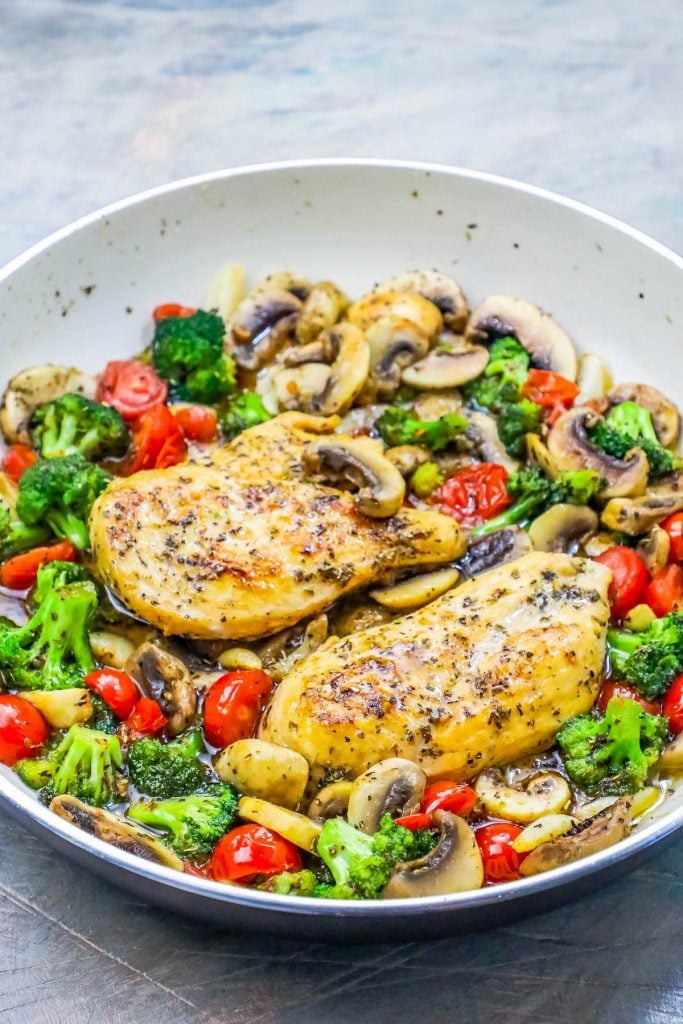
(145, 719)
(131, 387)
(553, 392)
(673, 706)
(20, 572)
(664, 592)
(612, 688)
(23, 730)
(233, 704)
(501, 862)
(157, 440)
(415, 821)
(448, 796)
(674, 527)
(171, 309)
(475, 494)
(117, 689)
(252, 850)
(16, 460)
(197, 422)
(629, 579)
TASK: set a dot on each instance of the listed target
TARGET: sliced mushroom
(332, 801)
(542, 793)
(360, 462)
(351, 615)
(654, 549)
(258, 768)
(298, 828)
(571, 447)
(239, 657)
(538, 455)
(562, 527)
(605, 829)
(671, 758)
(394, 786)
(546, 342)
(593, 378)
(115, 830)
(443, 291)
(665, 416)
(495, 549)
(394, 344)
(263, 324)
(636, 515)
(399, 306)
(407, 457)
(543, 830)
(323, 306)
(416, 592)
(454, 865)
(34, 386)
(446, 367)
(432, 405)
(166, 680)
(111, 648)
(317, 388)
(488, 444)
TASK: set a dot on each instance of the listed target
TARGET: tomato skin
(196, 422)
(116, 688)
(448, 796)
(414, 822)
(146, 719)
(475, 494)
(501, 862)
(23, 730)
(131, 387)
(614, 688)
(629, 578)
(16, 461)
(251, 850)
(672, 706)
(233, 704)
(674, 527)
(552, 391)
(664, 593)
(20, 572)
(167, 309)
(157, 440)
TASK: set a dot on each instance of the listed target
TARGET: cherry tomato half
(20, 572)
(23, 730)
(414, 822)
(475, 494)
(16, 461)
(664, 593)
(629, 578)
(233, 704)
(131, 387)
(501, 862)
(612, 688)
(197, 422)
(252, 850)
(116, 688)
(553, 392)
(448, 796)
(145, 719)
(157, 440)
(673, 706)
(171, 309)
(674, 527)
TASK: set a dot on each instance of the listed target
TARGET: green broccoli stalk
(189, 352)
(628, 426)
(611, 754)
(75, 425)
(54, 576)
(398, 426)
(194, 823)
(59, 493)
(426, 479)
(650, 660)
(163, 770)
(16, 536)
(84, 765)
(52, 650)
(245, 410)
(534, 492)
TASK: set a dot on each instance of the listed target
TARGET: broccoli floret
(503, 376)
(59, 493)
(515, 421)
(426, 479)
(627, 426)
(16, 536)
(293, 883)
(73, 424)
(194, 823)
(245, 410)
(650, 660)
(611, 754)
(54, 576)
(189, 352)
(103, 718)
(398, 426)
(534, 492)
(84, 765)
(52, 650)
(164, 770)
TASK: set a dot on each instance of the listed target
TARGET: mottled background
(99, 99)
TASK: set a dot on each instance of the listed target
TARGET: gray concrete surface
(99, 99)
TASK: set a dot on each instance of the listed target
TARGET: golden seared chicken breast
(253, 539)
(479, 677)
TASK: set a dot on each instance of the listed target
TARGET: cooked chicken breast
(240, 545)
(483, 675)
